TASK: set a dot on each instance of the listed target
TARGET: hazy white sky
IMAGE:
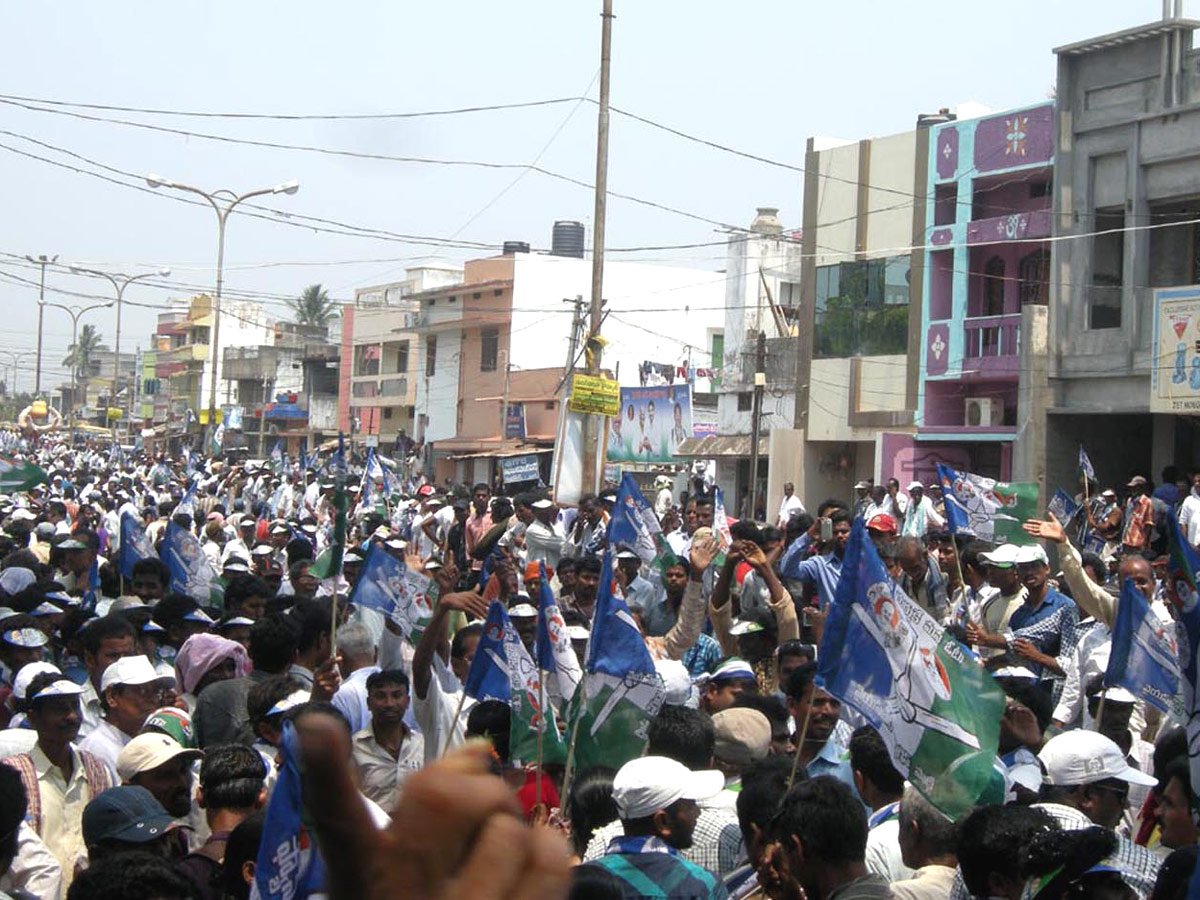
(759, 76)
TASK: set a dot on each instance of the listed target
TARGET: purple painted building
(986, 257)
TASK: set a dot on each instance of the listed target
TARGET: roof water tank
(567, 239)
(513, 247)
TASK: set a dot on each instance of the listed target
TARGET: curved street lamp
(223, 203)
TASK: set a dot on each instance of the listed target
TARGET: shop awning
(728, 445)
(500, 454)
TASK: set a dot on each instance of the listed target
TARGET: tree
(313, 307)
(79, 356)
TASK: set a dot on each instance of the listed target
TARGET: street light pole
(119, 281)
(42, 261)
(14, 358)
(75, 312)
(223, 203)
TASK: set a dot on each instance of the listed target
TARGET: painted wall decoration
(947, 153)
(1015, 139)
(652, 422)
(937, 348)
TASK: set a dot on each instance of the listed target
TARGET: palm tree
(79, 355)
(313, 307)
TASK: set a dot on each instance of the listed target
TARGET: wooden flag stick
(800, 741)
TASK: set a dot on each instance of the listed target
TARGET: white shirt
(883, 851)
(1189, 517)
(105, 743)
(381, 776)
(435, 712)
(787, 507)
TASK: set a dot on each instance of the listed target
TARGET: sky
(760, 77)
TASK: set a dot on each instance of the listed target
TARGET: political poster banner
(652, 423)
(519, 468)
(1175, 354)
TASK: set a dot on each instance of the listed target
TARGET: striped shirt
(649, 868)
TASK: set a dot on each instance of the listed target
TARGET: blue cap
(127, 813)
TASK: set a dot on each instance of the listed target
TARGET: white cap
(15, 579)
(626, 553)
(395, 544)
(291, 701)
(578, 632)
(27, 673)
(677, 681)
(149, 751)
(21, 514)
(1004, 555)
(1117, 695)
(61, 687)
(523, 611)
(915, 486)
(1027, 775)
(645, 785)
(1019, 672)
(1083, 757)
(130, 670)
(235, 620)
(542, 504)
(1032, 553)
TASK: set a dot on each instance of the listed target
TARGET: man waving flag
(931, 701)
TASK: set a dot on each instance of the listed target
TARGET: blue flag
(1085, 465)
(1144, 659)
(386, 585)
(92, 594)
(552, 647)
(289, 864)
(487, 679)
(190, 572)
(135, 544)
(621, 691)
(188, 503)
(633, 521)
(936, 708)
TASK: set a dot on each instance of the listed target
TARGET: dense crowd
(184, 641)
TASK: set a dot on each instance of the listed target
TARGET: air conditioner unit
(983, 412)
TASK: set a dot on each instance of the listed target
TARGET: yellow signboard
(595, 396)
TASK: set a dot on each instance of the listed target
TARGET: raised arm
(1089, 596)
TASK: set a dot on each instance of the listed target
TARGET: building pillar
(1033, 399)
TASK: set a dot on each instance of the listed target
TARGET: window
(476, 295)
(745, 401)
(1035, 278)
(945, 204)
(550, 405)
(489, 349)
(430, 355)
(1173, 254)
(498, 292)
(862, 308)
(402, 357)
(993, 287)
(789, 294)
(1108, 269)
(387, 412)
(366, 359)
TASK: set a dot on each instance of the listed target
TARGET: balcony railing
(992, 344)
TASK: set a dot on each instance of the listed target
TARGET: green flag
(19, 476)
(620, 692)
(988, 509)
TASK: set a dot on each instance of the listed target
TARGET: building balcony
(184, 354)
(992, 345)
(249, 363)
(384, 391)
(1024, 226)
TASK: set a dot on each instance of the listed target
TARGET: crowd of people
(149, 714)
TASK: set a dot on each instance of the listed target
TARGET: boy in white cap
(657, 801)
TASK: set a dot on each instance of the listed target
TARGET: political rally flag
(1144, 658)
(115, 455)
(935, 706)
(329, 563)
(289, 865)
(385, 585)
(1085, 465)
(502, 669)
(720, 525)
(1063, 506)
(988, 509)
(555, 655)
(277, 458)
(633, 522)
(135, 544)
(16, 475)
(218, 440)
(187, 505)
(620, 692)
(190, 572)
(92, 594)
(1183, 589)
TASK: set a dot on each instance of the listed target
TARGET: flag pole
(800, 741)
(569, 769)
(453, 722)
(537, 801)
(1100, 709)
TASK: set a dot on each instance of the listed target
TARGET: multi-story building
(274, 386)
(1125, 208)
(986, 260)
(762, 296)
(858, 344)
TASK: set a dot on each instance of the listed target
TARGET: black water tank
(568, 239)
(514, 247)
